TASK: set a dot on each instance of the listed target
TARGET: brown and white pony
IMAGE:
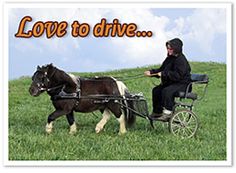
(81, 95)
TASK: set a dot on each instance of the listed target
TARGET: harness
(64, 95)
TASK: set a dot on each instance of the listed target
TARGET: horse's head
(40, 80)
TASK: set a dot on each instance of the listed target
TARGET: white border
(116, 5)
(5, 81)
(228, 7)
(229, 83)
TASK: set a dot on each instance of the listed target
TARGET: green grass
(28, 115)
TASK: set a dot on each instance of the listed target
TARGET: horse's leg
(52, 117)
(119, 113)
(71, 121)
(105, 117)
(122, 124)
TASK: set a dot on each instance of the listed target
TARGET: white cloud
(203, 26)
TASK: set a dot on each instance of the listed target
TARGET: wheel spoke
(176, 125)
(182, 116)
(185, 117)
(189, 130)
(179, 119)
(182, 132)
(191, 124)
(178, 131)
(175, 130)
(190, 118)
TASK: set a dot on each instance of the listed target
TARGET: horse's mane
(59, 75)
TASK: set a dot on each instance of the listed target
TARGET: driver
(175, 76)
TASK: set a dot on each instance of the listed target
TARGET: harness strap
(53, 88)
(63, 95)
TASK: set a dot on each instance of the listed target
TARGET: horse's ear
(38, 67)
(50, 65)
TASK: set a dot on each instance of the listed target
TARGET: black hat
(176, 44)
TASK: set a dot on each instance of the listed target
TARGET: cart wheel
(183, 123)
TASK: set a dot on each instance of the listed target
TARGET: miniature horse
(79, 94)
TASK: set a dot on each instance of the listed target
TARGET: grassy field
(28, 115)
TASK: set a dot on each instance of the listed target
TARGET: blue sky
(203, 32)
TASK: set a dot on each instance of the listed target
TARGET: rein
(141, 75)
(122, 78)
(50, 89)
(53, 88)
(131, 77)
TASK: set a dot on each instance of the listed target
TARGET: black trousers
(163, 96)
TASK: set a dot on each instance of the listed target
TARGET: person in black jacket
(175, 76)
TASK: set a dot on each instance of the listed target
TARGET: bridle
(43, 86)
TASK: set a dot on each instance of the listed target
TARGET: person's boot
(166, 115)
(155, 115)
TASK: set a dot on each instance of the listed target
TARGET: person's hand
(147, 73)
(159, 74)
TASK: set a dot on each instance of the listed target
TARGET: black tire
(184, 123)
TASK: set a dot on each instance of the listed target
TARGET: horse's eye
(40, 76)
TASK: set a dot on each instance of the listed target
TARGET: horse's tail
(129, 115)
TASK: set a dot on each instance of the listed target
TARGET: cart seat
(189, 95)
(195, 79)
(200, 78)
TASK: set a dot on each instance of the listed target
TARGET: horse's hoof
(72, 132)
(48, 131)
(98, 129)
(48, 128)
(122, 133)
(73, 129)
